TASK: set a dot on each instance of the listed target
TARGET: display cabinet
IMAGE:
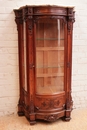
(45, 61)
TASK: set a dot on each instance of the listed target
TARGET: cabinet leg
(32, 122)
(67, 115)
(20, 110)
(32, 119)
(67, 118)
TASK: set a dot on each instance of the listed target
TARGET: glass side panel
(25, 67)
(49, 56)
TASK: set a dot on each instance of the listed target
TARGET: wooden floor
(78, 122)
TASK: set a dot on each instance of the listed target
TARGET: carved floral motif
(50, 103)
(30, 10)
(69, 28)
(53, 103)
(30, 27)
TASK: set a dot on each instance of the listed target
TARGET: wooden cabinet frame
(49, 107)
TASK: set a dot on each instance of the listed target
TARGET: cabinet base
(51, 117)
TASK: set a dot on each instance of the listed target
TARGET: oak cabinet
(45, 61)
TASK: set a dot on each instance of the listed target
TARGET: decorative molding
(60, 17)
(71, 18)
(23, 15)
(70, 11)
(18, 13)
(30, 10)
(53, 103)
(27, 13)
(64, 19)
(18, 18)
(36, 10)
(71, 15)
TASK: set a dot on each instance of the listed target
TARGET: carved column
(19, 22)
(69, 101)
(31, 64)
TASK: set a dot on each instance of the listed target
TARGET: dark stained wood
(49, 102)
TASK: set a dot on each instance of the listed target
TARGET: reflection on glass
(49, 56)
(25, 74)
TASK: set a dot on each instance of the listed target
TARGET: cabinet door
(49, 56)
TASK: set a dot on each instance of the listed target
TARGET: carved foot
(66, 118)
(21, 113)
(32, 122)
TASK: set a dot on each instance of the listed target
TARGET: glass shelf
(59, 66)
(49, 48)
(48, 39)
(50, 75)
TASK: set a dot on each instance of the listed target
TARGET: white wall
(9, 80)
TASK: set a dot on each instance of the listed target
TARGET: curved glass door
(49, 56)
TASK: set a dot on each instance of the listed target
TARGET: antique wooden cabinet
(45, 61)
